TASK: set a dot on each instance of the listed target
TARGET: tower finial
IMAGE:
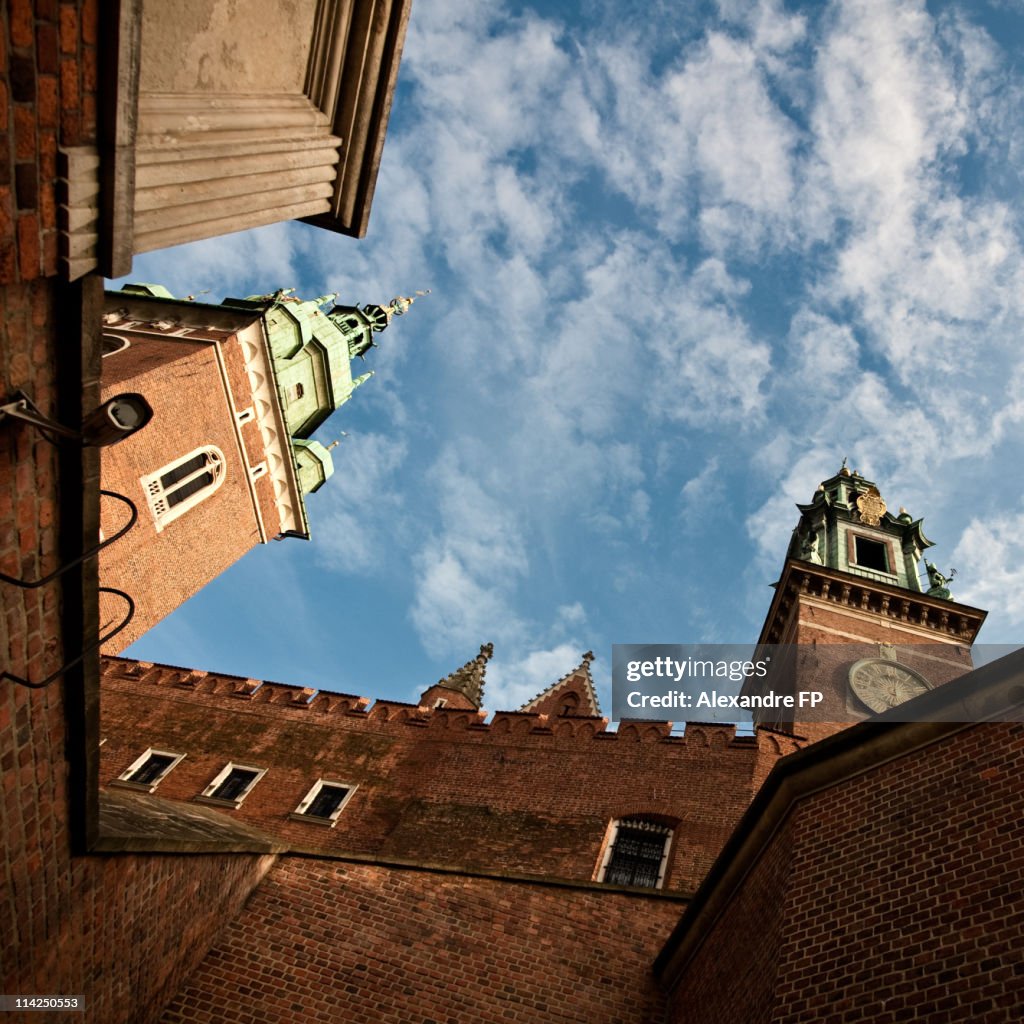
(400, 304)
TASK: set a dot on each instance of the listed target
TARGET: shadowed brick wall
(48, 69)
(902, 902)
(322, 941)
(121, 930)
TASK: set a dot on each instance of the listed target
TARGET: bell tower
(868, 633)
(229, 459)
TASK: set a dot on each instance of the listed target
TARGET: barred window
(183, 484)
(636, 853)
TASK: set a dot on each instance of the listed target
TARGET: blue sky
(681, 265)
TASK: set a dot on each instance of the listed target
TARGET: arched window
(636, 853)
(112, 343)
(568, 705)
(183, 484)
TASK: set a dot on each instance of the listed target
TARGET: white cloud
(990, 560)
(512, 684)
(261, 262)
(466, 574)
(348, 516)
(700, 493)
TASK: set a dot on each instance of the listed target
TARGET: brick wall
(48, 68)
(322, 941)
(836, 623)
(435, 786)
(30, 625)
(734, 974)
(901, 901)
(182, 382)
(120, 930)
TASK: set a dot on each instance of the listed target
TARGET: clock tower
(854, 618)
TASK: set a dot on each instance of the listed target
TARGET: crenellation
(247, 688)
(526, 726)
(326, 702)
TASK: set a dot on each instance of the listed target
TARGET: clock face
(880, 684)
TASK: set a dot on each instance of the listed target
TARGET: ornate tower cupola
(847, 526)
(850, 590)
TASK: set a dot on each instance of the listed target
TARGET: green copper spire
(304, 359)
(847, 526)
(313, 463)
(312, 351)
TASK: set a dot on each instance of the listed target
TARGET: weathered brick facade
(386, 946)
(889, 895)
(183, 383)
(48, 81)
(523, 794)
(125, 930)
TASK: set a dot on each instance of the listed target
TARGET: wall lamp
(117, 418)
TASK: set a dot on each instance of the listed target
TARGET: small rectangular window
(232, 785)
(870, 554)
(148, 771)
(236, 784)
(324, 802)
(636, 854)
(182, 470)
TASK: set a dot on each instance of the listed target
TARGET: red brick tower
(850, 598)
(228, 459)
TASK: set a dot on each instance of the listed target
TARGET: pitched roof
(469, 680)
(578, 681)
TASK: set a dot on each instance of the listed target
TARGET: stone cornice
(932, 617)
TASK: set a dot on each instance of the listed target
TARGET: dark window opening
(637, 854)
(190, 487)
(234, 786)
(183, 469)
(154, 766)
(569, 705)
(870, 554)
(326, 802)
(111, 343)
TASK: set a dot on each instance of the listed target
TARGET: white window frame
(125, 778)
(156, 493)
(299, 814)
(124, 344)
(206, 797)
(634, 822)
